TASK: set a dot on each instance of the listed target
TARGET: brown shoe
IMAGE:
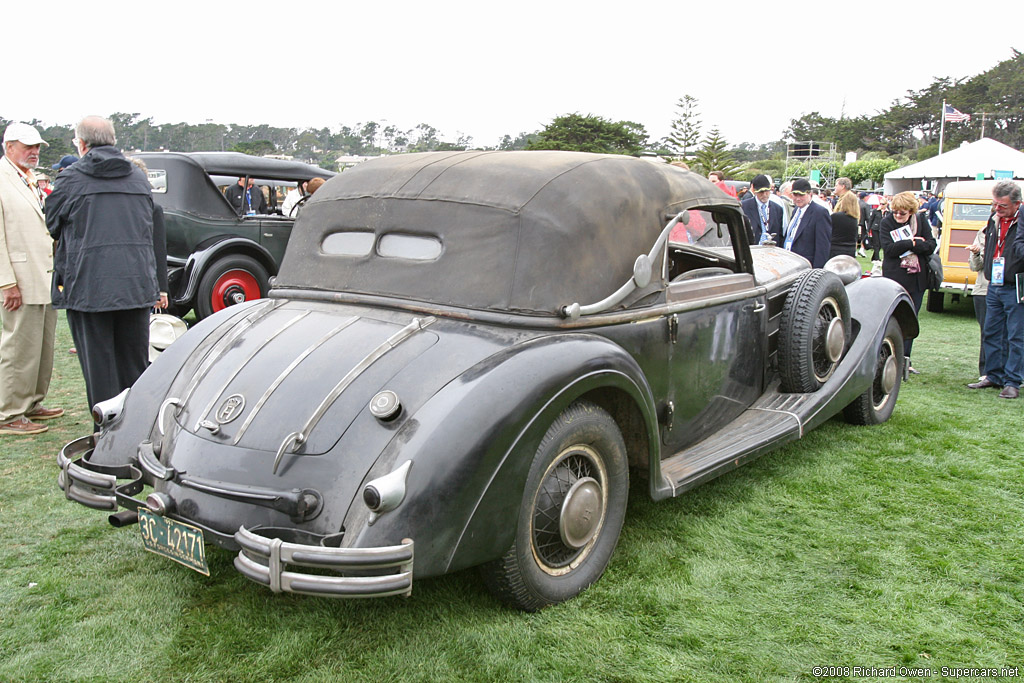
(22, 426)
(984, 383)
(41, 412)
(1009, 392)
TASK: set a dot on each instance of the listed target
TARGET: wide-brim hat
(163, 330)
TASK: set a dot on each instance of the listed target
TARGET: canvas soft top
(512, 231)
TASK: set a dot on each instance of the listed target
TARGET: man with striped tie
(809, 232)
(765, 216)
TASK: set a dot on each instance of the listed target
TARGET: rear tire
(229, 281)
(571, 514)
(876, 404)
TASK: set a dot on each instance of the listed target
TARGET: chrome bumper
(264, 556)
(365, 572)
(96, 486)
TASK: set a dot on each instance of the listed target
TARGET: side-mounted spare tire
(813, 331)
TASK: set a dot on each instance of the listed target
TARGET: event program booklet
(903, 233)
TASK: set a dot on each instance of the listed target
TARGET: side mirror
(642, 271)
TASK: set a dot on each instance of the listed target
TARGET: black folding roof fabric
(524, 232)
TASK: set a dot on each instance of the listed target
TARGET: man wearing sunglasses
(809, 231)
(1003, 338)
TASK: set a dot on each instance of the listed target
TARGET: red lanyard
(1001, 237)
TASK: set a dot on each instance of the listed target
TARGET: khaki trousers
(26, 358)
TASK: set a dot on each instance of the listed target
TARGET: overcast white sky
(486, 69)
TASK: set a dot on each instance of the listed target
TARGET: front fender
(473, 442)
(872, 302)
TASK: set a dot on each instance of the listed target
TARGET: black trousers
(113, 349)
(917, 297)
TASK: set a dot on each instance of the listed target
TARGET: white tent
(965, 163)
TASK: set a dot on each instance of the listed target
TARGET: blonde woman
(906, 257)
(844, 226)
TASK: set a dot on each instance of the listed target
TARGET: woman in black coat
(874, 226)
(844, 226)
(906, 260)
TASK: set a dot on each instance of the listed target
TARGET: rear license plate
(179, 541)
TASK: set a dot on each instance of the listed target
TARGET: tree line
(904, 133)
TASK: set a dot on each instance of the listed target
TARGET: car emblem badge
(230, 409)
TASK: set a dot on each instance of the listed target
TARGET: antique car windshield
(158, 180)
(705, 229)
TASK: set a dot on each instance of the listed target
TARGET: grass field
(892, 546)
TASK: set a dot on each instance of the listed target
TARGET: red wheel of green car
(230, 281)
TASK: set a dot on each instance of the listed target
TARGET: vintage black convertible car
(217, 257)
(462, 361)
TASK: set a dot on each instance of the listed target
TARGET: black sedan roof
(189, 186)
(237, 164)
(505, 231)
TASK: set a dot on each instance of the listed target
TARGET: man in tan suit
(26, 259)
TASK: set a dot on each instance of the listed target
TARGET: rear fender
(473, 443)
(210, 251)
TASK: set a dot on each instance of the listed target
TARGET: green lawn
(899, 545)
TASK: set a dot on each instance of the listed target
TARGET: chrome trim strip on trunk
(390, 343)
(244, 364)
(284, 374)
(218, 349)
(296, 439)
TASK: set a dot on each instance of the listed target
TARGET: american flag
(951, 114)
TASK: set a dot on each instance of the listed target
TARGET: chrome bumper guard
(365, 572)
(96, 486)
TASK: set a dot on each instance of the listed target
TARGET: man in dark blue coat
(809, 232)
(1003, 337)
(104, 270)
(765, 216)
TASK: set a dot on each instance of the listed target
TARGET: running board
(774, 420)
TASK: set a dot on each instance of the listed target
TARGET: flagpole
(942, 126)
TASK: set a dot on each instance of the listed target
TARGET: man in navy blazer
(809, 232)
(765, 216)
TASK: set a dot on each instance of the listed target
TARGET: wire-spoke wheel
(813, 331)
(571, 514)
(568, 510)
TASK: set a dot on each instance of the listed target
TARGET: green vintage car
(217, 257)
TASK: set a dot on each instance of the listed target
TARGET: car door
(718, 329)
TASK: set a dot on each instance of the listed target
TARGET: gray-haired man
(1003, 338)
(104, 269)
